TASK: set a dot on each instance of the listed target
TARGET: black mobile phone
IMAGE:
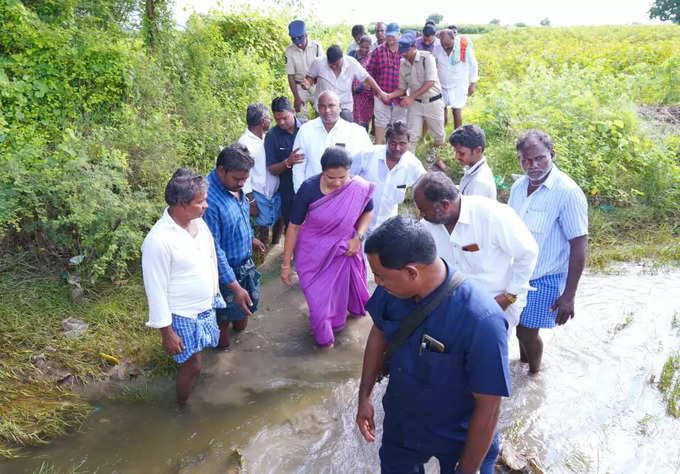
(432, 344)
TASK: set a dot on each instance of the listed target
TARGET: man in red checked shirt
(383, 66)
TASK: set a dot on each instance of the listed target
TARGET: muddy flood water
(280, 406)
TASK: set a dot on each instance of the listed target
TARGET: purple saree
(333, 283)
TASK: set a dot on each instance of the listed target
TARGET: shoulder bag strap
(416, 317)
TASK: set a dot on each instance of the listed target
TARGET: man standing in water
(180, 277)
(228, 218)
(555, 210)
(448, 376)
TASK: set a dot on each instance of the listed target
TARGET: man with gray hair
(265, 198)
(179, 266)
(484, 239)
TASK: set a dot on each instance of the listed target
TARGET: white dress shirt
(313, 139)
(555, 213)
(507, 251)
(450, 74)
(180, 271)
(341, 84)
(478, 180)
(391, 184)
(261, 180)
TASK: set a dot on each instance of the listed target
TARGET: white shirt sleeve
(516, 240)
(357, 164)
(299, 168)
(313, 70)
(357, 69)
(156, 263)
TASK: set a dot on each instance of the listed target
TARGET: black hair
(469, 136)
(428, 30)
(255, 113)
(430, 22)
(358, 30)
(535, 135)
(184, 185)
(365, 39)
(401, 240)
(333, 53)
(235, 157)
(452, 27)
(281, 104)
(437, 187)
(396, 128)
(335, 157)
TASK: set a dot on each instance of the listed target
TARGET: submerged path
(288, 407)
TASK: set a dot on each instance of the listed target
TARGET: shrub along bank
(92, 123)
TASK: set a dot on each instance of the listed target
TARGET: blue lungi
(537, 314)
(196, 334)
(270, 209)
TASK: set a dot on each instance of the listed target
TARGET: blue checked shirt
(555, 213)
(229, 222)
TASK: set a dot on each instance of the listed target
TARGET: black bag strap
(416, 317)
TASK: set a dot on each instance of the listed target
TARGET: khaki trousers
(431, 113)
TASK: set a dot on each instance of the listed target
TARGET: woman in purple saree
(330, 216)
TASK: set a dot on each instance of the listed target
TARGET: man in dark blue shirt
(447, 378)
(278, 147)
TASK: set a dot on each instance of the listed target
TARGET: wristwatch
(510, 297)
(360, 235)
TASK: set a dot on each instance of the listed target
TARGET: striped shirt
(555, 213)
(229, 222)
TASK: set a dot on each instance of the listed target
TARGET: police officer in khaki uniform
(299, 56)
(418, 76)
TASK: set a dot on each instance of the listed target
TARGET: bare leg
(277, 230)
(457, 118)
(532, 343)
(188, 373)
(379, 135)
(240, 325)
(224, 335)
(446, 116)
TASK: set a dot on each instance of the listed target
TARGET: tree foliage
(436, 17)
(545, 21)
(666, 10)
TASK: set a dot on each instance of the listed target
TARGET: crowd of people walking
(452, 287)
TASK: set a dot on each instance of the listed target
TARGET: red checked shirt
(383, 66)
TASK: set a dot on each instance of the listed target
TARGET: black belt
(431, 99)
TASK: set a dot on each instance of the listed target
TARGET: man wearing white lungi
(458, 72)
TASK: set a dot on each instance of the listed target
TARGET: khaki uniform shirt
(412, 76)
(298, 60)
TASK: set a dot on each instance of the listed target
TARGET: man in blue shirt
(228, 218)
(278, 147)
(443, 398)
(555, 210)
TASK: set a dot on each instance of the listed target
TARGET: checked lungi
(196, 334)
(536, 313)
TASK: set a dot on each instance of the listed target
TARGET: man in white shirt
(329, 129)
(469, 142)
(335, 72)
(483, 239)
(458, 72)
(180, 277)
(265, 186)
(392, 168)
